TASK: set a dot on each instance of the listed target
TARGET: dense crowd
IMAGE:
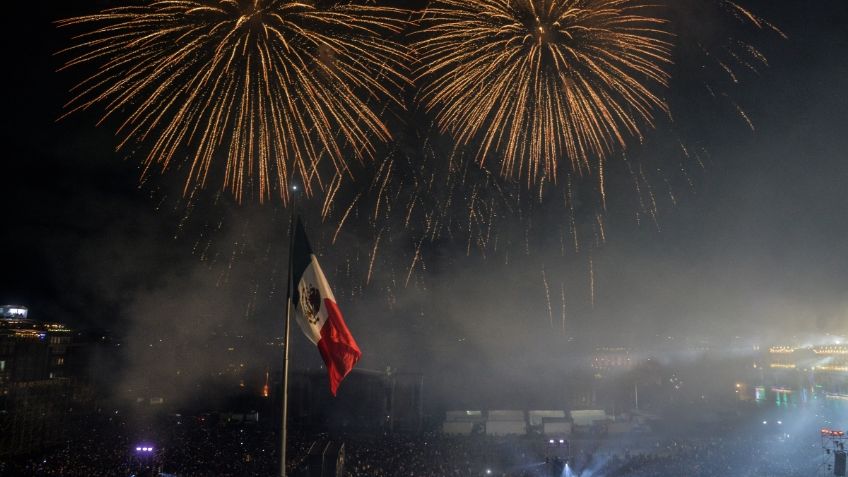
(733, 456)
(196, 447)
(441, 456)
(106, 446)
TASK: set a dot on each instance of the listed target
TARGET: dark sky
(760, 248)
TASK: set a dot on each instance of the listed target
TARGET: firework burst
(278, 90)
(538, 80)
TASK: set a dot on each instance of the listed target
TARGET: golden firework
(540, 80)
(272, 88)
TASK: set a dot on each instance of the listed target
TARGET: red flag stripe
(337, 346)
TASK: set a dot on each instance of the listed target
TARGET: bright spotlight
(562, 441)
(138, 449)
(551, 441)
(765, 422)
(488, 471)
(780, 422)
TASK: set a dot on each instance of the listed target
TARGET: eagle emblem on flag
(310, 303)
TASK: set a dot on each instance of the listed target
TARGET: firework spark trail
(373, 256)
(344, 218)
(570, 78)
(472, 216)
(330, 195)
(758, 21)
(591, 281)
(547, 297)
(387, 166)
(654, 209)
(602, 183)
(602, 230)
(569, 197)
(671, 196)
(415, 258)
(277, 87)
(562, 300)
(744, 116)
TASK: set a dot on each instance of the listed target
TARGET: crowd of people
(444, 456)
(105, 445)
(96, 446)
(738, 456)
(108, 445)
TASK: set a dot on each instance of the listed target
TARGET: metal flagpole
(290, 294)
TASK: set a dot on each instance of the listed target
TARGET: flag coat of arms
(318, 314)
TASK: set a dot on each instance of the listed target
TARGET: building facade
(35, 389)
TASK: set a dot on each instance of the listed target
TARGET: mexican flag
(318, 314)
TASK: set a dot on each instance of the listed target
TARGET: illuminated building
(781, 350)
(784, 357)
(615, 359)
(13, 312)
(832, 358)
(810, 370)
(35, 389)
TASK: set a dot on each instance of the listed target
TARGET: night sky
(758, 249)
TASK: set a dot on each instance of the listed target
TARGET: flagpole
(289, 295)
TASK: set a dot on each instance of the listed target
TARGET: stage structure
(833, 444)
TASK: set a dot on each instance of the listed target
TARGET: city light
(830, 350)
(833, 368)
(782, 366)
(781, 349)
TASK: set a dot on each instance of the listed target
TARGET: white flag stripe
(312, 290)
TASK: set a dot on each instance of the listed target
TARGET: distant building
(821, 359)
(31, 350)
(11, 312)
(806, 371)
(607, 359)
(368, 401)
(35, 389)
